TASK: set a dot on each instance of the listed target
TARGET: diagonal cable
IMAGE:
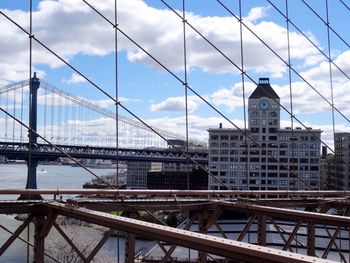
(280, 58)
(192, 90)
(326, 23)
(309, 39)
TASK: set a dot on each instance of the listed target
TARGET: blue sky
(86, 41)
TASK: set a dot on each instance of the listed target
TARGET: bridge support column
(32, 162)
(31, 176)
(130, 248)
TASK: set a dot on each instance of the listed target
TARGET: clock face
(264, 104)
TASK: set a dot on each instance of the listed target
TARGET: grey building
(269, 157)
(327, 170)
(337, 168)
(137, 171)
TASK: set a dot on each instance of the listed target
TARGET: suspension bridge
(40, 121)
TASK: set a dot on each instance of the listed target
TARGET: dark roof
(264, 89)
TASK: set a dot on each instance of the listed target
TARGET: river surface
(51, 177)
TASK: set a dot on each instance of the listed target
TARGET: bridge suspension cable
(217, 49)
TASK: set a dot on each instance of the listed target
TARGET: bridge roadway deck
(16, 150)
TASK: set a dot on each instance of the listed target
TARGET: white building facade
(268, 158)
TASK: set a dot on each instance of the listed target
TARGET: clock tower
(263, 110)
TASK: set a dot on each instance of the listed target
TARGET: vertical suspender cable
(66, 121)
(330, 71)
(6, 117)
(52, 113)
(292, 171)
(21, 127)
(59, 113)
(0, 105)
(116, 94)
(186, 91)
(186, 98)
(332, 94)
(244, 105)
(30, 104)
(14, 114)
(45, 111)
(243, 95)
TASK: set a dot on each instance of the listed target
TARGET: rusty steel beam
(331, 242)
(69, 241)
(99, 246)
(210, 244)
(136, 192)
(173, 247)
(214, 217)
(129, 248)
(220, 230)
(262, 230)
(156, 204)
(20, 207)
(246, 228)
(310, 245)
(292, 235)
(279, 229)
(316, 218)
(50, 220)
(16, 234)
(39, 241)
(29, 244)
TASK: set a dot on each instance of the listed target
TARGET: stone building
(265, 156)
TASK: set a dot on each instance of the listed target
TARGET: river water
(52, 177)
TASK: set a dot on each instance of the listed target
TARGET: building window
(273, 114)
(224, 145)
(283, 138)
(254, 114)
(224, 137)
(304, 138)
(273, 122)
(254, 121)
(234, 137)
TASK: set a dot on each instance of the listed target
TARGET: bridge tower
(32, 162)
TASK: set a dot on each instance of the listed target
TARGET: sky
(86, 41)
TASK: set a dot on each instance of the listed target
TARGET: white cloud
(177, 104)
(71, 28)
(198, 125)
(74, 79)
(256, 13)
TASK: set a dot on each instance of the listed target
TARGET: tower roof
(264, 89)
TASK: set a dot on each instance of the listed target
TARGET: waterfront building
(265, 156)
(326, 169)
(137, 172)
(195, 179)
(336, 167)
